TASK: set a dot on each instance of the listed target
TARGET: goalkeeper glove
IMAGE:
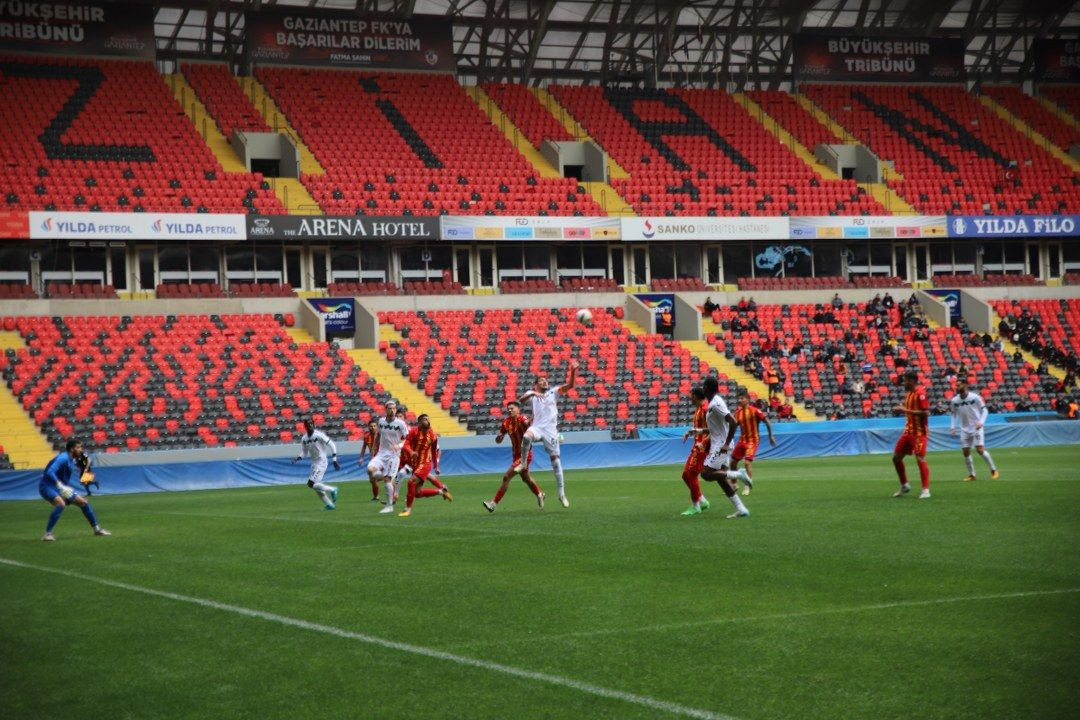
(67, 492)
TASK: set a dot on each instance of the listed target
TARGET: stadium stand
(1071, 278)
(257, 290)
(223, 98)
(1032, 112)
(433, 288)
(707, 156)
(589, 284)
(1058, 324)
(878, 281)
(189, 290)
(526, 112)
(17, 291)
(678, 285)
(386, 153)
(956, 155)
(988, 280)
(473, 362)
(363, 288)
(1066, 97)
(793, 283)
(526, 287)
(171, 382)
(802, 125)
(89, 134)
(823, 362)
(80, 291)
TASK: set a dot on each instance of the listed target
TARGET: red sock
(694, 484)
(427, 492)
(534, 487)
(435, 481)
(924, 473)
(375, 490)
(500, 493)
(902, 472)
(412, 494)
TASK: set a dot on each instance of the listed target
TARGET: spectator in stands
(751, 305)
(709, 307)
(774, 403)
(741, 306)
(772, 379)
(887, 302)
(837, 303)
(785, 412)
(920, 334)
(1073, 409)
(874, 306)
(1018, 356)
(838, 413)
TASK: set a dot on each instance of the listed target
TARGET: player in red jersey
(422, 449)
(916, 408)
(367, 454)
(748, 417)
(515, 425)
(696, 460)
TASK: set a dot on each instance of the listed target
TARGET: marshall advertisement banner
(1057, 61)
(299, 37)
(663, 307)
(338, 313)
(493, 227)
(136, 226)
(877, 58)
(346, 227)
(78, 28)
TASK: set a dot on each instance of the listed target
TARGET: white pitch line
(779, 616)
(540, 677)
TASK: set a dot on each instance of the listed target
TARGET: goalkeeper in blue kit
(55, 489)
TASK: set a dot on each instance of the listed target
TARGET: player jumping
(969, 410)
(719, 418)
(916, 408)
(384, 466)
(422, 449)
(748, 417)
(545, 428)
(515, 426)
(696, 460)
(315, 444)
(55, 490)
(367, 454)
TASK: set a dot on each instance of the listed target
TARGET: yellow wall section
(20, 437)
(205, 124)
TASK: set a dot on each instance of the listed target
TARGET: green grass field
(831, 601)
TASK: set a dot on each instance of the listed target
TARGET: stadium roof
(710, 43)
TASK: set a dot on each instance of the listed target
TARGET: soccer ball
(584, 317)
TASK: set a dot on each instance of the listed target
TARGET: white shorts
(550, 440)
(972, 439)
(385, 464)
(718, 460)
(318, 469)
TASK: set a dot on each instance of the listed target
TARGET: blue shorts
(49, 493)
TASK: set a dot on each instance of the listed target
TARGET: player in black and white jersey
(390, 436)
(317, 445)
(969, 412)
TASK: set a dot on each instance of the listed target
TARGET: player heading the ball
(545, 428)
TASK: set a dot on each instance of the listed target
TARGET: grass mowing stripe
(608, 693)
(781, 616)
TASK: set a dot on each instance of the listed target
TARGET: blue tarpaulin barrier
(795, 440)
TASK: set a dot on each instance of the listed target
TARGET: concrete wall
(934, 307)
(268, 146)
(312, 322)
(219, 306)
(491, 302)
(640, 313)
(367, 328)
(687, 320)
(977, 314)
(596, 165)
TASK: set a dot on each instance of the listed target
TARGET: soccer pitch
(832, 600)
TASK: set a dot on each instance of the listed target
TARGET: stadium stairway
(604, 195)
(517, 138)
(200, 117)
(23, 443)
(707, 353)
(1026, 130)
(773, 126)
(837, 129)
(1010, 348)
(615, 171)
(395, 383)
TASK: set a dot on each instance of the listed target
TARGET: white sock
(556, 467)
(698, 504)
(989, 460)
(389, 492)
(526, 445)
(737, 502)
(733, 475)
(323, 496)
(970, 464)
(321, 487)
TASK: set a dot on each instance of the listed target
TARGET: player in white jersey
(721, 432)
(388, 441)
(317, 445)
(969, 412)
(545, 425)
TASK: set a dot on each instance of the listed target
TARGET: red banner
(14, 225)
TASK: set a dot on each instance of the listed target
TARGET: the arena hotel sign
(316, 227)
